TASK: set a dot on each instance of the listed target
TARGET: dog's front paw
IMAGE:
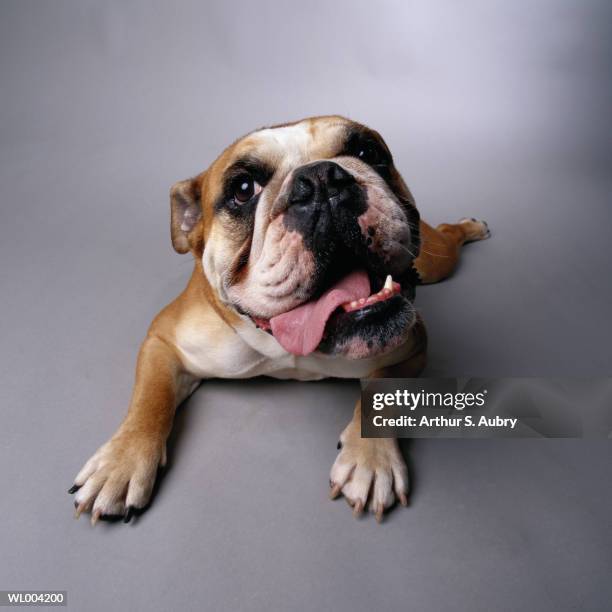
(370, 472)
(119, 478)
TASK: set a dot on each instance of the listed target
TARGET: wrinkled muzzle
(333, 236)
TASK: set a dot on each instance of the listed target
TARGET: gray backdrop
(493, 109)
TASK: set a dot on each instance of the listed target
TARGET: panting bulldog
(307, 245)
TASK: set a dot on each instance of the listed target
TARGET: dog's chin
(370, 331)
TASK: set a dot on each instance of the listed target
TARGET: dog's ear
(185, 211)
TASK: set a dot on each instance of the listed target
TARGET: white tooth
(388, 282)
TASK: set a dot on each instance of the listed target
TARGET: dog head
(308, 231)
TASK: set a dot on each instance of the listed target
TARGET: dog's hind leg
(440, 247)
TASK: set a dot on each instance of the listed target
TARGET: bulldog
(307, 246)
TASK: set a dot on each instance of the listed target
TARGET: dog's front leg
(119, 477)
(371, 472)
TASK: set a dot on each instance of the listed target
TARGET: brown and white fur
(255, 259)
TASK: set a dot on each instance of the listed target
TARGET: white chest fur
(249, 352)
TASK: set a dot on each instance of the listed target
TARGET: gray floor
(497, 112)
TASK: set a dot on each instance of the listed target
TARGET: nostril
(303, 190)
(338, 176)
(337, 179)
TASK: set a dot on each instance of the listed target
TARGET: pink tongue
(300, 330)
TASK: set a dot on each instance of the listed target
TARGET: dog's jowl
(307, 245)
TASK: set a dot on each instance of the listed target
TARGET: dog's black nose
(319, 182)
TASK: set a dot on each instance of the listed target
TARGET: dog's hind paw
(475, 229)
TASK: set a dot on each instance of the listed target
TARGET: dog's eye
(369, 154)
(245, 188)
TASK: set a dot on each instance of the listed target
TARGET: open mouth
(359, 304)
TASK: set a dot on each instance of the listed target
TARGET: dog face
(308, 230)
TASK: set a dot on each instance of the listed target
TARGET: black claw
(76, 504)
(129, 513)
(339, 446)
(74, 489)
